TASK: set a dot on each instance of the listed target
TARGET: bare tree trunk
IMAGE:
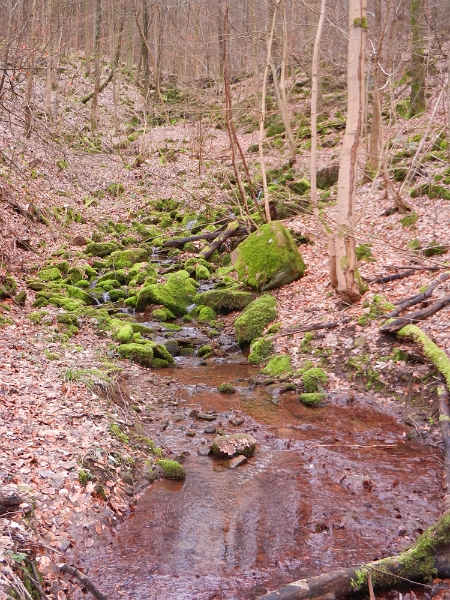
(145, 51)
(87, 35)
(448, 109)
(417, 20)
(97, 67)
(8, 46)
(346, 263)
(29, 89)
(262, 117)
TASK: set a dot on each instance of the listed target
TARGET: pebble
(209, 429)
(206, 416)
(190, 433)
(203, 450)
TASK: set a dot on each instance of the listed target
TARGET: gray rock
(227, 446)
(172, 347)
(234, 462)
(209, 429)
(206, 416)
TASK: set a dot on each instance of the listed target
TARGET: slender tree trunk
(346, 263)
(7, 46)
(30, 80)
(145, 52)
(417, 20)
(97, 67)
(87, 35)
(448, 109)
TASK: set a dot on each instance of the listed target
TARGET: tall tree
(417, 20)
(348, 285)
(97, 64)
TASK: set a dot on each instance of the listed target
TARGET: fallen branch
(420, 315)
(387, 278)
(444, 422)
(312, 327)
(178, 242)
(84, 580)
(418, 563)
(418, 298)
(230, 231)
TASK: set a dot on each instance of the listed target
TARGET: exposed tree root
(84, 580)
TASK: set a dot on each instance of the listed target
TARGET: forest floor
(56, 401)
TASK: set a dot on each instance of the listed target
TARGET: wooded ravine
(224, 299)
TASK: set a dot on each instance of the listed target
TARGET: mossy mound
(201, 273)
(8, 287)
(205, 314)
(205, 350)
(314, 379)
(101, 248)
(141, 272)
(171, 469)
(300, 187)
(50, 274)
(256, 316)
(226, 388)
(312, 398)
(224, 301)
(176, 294)
(122, 259)
(138, 353)
(269, 258)
(431, 190)
(279, 364)
(260, 350)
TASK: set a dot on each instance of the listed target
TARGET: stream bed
(327, 487)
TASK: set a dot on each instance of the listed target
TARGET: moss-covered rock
(224, 301)
(201, 272)
(142, 268)
(171, 469)
(68, 319)
(279, 364)
(314, 379)
(205, 350)
(122, 332)
(377, 308)
(226, 388)
(101, 248)
(122, 259)
(300, 187)
(139, 353)
(205, 314)
(431, 190)
(268, 258)
(176, 294)
(255, 317)
(260, 350)
(8, 287)
(163, 314)
(50, 274)
(312, 398)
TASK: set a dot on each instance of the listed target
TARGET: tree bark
(417, 21)
(346, 264)
(97, 67)
(30, 80)
(230, 231)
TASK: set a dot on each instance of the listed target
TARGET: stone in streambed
(234, 462)
(227, 446)
(206, 416)
(209, 429)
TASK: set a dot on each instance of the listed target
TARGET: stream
(327, 487)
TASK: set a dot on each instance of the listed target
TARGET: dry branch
(312, 327)
(84, 580)
(418, 298)
(230, 231)
(414, 317)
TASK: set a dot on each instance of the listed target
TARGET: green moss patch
(260, 350)
(171, 469)
(314, 379)
(312, 398)
(176, 294)
(255, 317)
(138, 353)
(226, 388)
(122, 259)
(269, 258)
(377, 308)
(279, 364)
(101, 248)
(224, 301)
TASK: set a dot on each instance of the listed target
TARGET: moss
(274, 328)
(5, 321)
(21, 298)
(79, 294)
(84, 477)
(269, 258)
(377, 308)
(255, 317)
(226, 388)
(123, 333)
(224, 300)
(50, 274)
(204, 350)
(314, 379)
(101, 249)
(260, 350)
(68, 319)
(37, 317)
(115, 189)
(176, 294)
(312, 398)
(300, 187)
(171, 469)
(163, 314)
(431, 190)
(139, 353)
(410, 220)
(434, 249)
(363, 252)
(205, 314)
(139, 269)
(201, 272)
(122, 259)
(278, 365)
(434, 354)
(119, 434)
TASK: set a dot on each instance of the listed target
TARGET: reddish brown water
(320, 492)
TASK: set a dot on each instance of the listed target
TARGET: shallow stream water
(327, 487)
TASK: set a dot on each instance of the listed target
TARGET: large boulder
(176, 294)
(268, 258)
(256, 316)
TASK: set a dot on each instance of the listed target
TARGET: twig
(312, 327)
(370, 586)
(35, 580)
(418, 298)
(419, 315)
(84, 580)
(354, 446)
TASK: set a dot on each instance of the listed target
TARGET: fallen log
(312, 327)
(387, 278)
(64, 568)
(418, 298)
(419, 563)
(230, 231)
(178, 242)
(444, 421)
(9, 502)
(420, 315)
